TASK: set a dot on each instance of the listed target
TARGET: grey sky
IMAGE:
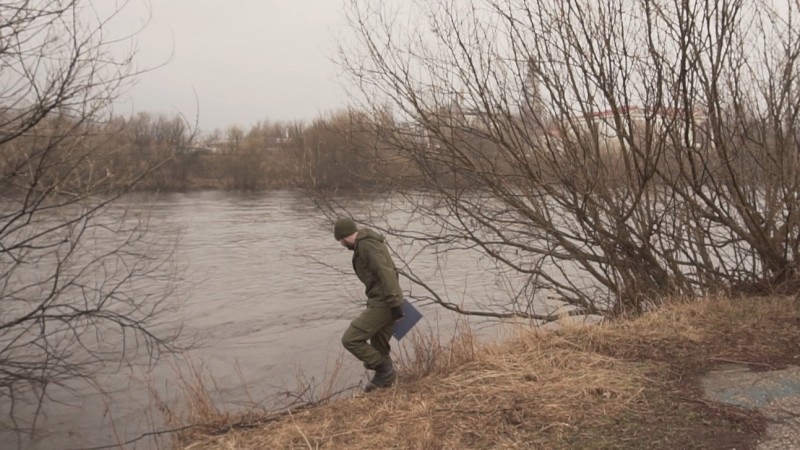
(247, 60)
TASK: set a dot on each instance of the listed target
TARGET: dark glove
(397, 313)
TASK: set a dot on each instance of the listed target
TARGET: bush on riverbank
(624, 384)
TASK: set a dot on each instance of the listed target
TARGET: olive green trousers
(374, 325)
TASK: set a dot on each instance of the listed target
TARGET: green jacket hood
(365, 233)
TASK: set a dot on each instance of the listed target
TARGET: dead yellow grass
(618, 385)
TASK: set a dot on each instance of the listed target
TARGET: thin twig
(733, 361)
(299, 430)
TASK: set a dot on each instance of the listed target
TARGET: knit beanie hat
(344, 227)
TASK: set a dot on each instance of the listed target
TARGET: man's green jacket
(375, 268)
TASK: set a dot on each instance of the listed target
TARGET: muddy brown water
(266, 290)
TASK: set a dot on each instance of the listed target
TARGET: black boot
(384, 377)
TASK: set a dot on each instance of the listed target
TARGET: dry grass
(627, 384)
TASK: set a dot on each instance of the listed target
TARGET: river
(265, 291)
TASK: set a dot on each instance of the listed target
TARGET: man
(375, 268)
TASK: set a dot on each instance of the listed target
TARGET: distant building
(604, 126)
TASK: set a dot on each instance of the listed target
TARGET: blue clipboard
(411, 316)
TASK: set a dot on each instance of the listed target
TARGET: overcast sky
(246, 60)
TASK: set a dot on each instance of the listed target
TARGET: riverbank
(627, 384)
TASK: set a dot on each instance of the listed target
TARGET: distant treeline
(328, 153)
(347, 150)
(165, 154)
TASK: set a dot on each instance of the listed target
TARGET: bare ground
(627, 384)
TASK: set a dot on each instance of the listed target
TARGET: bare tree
(161, 143)
(611, 154)
(241, 163)
(339, 151)
(81, 287)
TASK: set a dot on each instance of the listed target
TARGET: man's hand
(397, 313)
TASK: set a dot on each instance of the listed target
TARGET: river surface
(266, 292)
